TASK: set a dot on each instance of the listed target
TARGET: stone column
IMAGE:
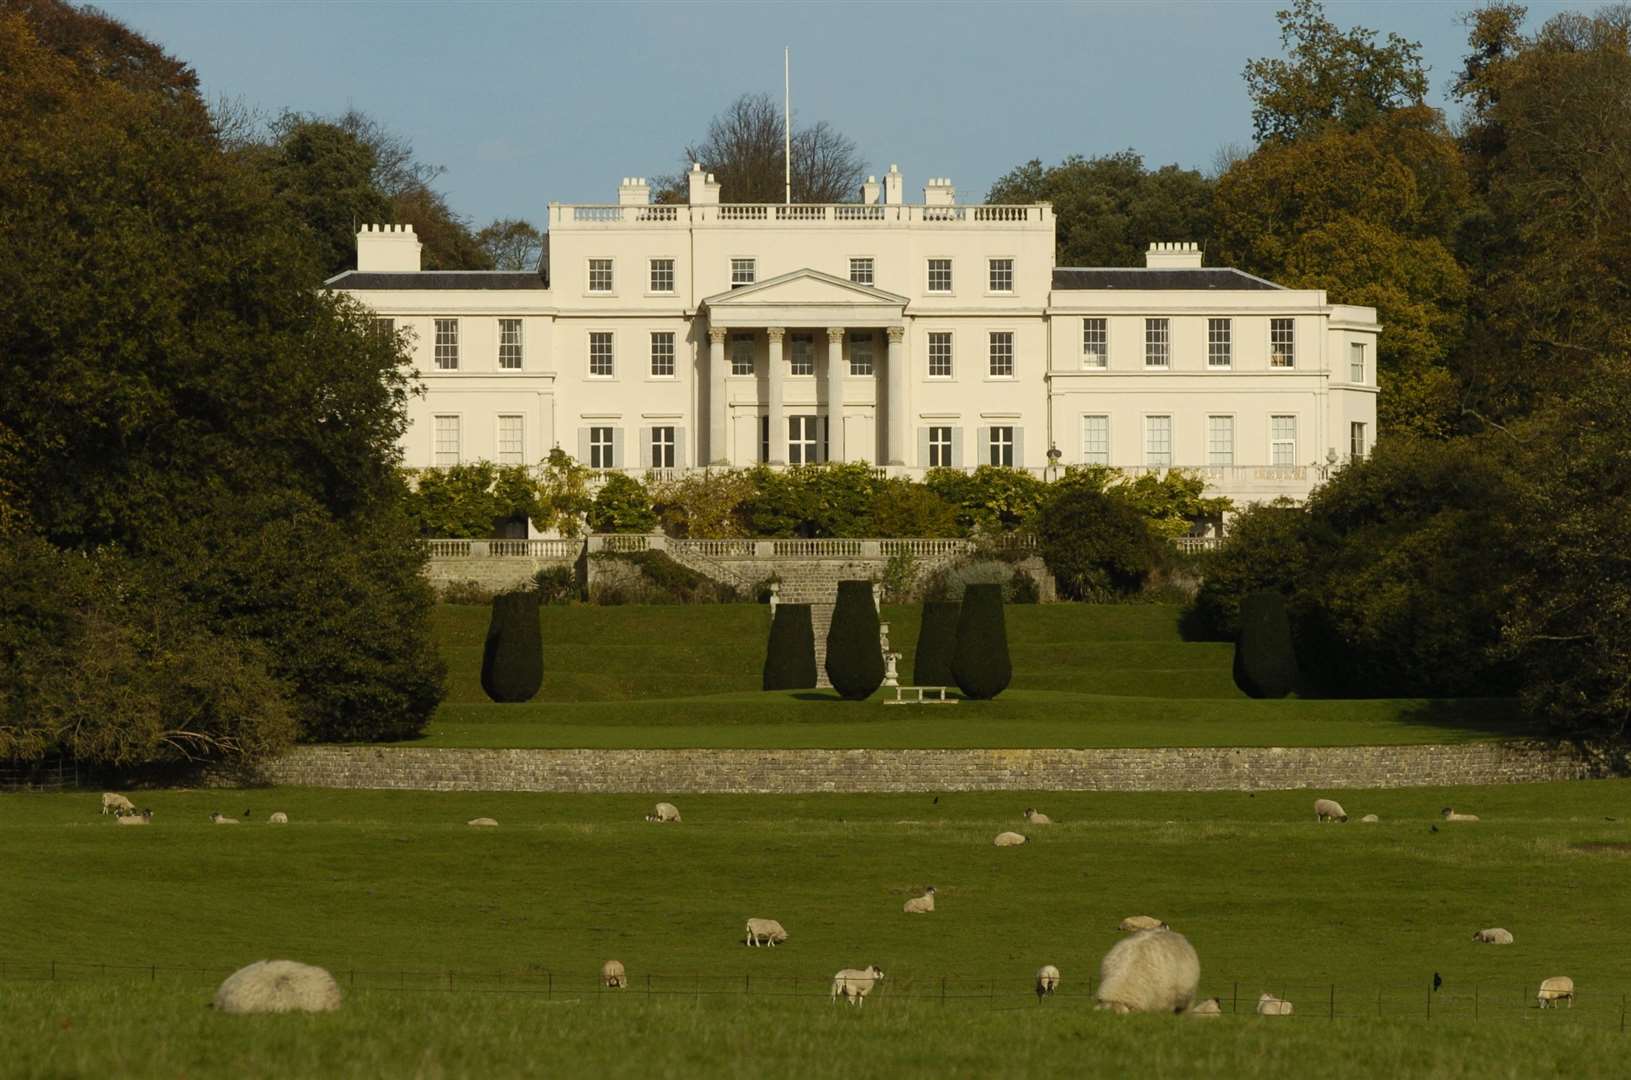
(899, 432)
(716, 398)
(778, 418)
(835, 394)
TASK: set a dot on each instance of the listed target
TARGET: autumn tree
(511, 244)
(745, 150)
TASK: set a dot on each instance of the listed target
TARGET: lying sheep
(1494, 936)
(1210, 1007)
(1370, 819)
(482, 822)
(133, 817)
(219, 818)
(1150, 971)
(666, 812)
(920, 905)
(1450, 815)
(1047, 981)
(1329, 810)
(1037, 817)
(1141, 922)
(613, 976)
(1557, 988)
(1269, 1005)
(768, 931)
(278, 818)
(1009, 839)
(113, 803)
(277, 986)
(855, 985)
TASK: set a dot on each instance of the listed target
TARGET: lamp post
(1054, 454)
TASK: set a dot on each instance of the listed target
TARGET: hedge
(980, 663)
(790, 654)
(854, 653)
(936, 642)
(512, 661)
(1265, 658)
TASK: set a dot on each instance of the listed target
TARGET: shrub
(555, 585)
(949, 582)
(790, 654)
(1022, 589)
(622, 506)
(512, 660)
(702, 506)
(471, 501)
(901, 508)
(899, 577)
(1096, 546)
(936, 642)
(1265, 659)
(465, 592)
(980, 663)
(661, 581)
(854, 652)
(1268, 546)
(989, 500)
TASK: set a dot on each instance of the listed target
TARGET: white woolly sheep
(666, 812)
(1047, 981)
(1141, 922)
(1150, 971)
(482, 822)
(278, 818)
(613, 976)
(1329, 810)
(1210, 1007)
(1370, 819)
(1557, 988)
(855, 985)
(133, 817)
(1449, 814)
(920, 905)
(113, 803)
(768, 931)
(219, 818)
(1008, 839)
(1494, 936)
(277, 986)
(1037, 817)
(1269, 1005)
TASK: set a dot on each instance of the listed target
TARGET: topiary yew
(936, 642)
(980, 663)
(512, 662)
(1265, 658)
(854, 653)
(790, 655)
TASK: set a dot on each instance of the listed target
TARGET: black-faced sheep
(1329, 810)
(613, 976)
(276, 986)
(766, 931)
(1448, 814)
(278, 818)
(133, 817)
(666, 812)
(1150, 971)
(1037, 817)
(1008, 839)
(920, 905)
(219, 818)
(112, 803)
(1557, 988)
(1047, 980)
(854, 985)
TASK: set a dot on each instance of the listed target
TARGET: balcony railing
(814, 214)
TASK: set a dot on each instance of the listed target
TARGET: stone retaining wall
(808, 771)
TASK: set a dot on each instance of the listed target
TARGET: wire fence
(1311, 1001)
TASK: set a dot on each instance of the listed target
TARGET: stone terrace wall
(810, 771)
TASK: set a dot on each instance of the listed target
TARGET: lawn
(473, 952)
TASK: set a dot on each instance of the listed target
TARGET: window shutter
(826, 437)
(618, 460)
(583, 446)
(645, 447)
(679, 448)
(1019, 447)
(982, 446)
(923, 447)
(957, 447)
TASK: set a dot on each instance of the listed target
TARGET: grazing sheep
(1047, 981)
(1370, 819)
(1210, 1007)
(1009, 839)
(278, 818)
(482, 822)
(1329, 810)
(1450, 815)
(1557, 988)
(855, 985)
(112, 803)
(277, 986)
(1141, 922)
(666, 812)
(1037, 817)
(920, 905)
(1150, 971)
(1269, 1005)
(768, 931)
(219, 818)
(613, 976)
(1494, 936)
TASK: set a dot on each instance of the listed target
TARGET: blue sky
(528, 103)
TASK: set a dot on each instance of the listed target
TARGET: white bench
(920, 696)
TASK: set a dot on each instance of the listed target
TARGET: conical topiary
(980, 662)
(790, 654)
(936, 643)
(1265, 657)
(512, 661)
(854, 652)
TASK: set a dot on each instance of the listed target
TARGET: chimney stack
(939, 192)
(892, 181)
(387, 247)
(703, 188)
(1173, 256)
(634, 191)
(870, 190)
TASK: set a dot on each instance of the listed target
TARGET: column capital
(835, 335)
(897, 334)
(775, 333)
(716, 335)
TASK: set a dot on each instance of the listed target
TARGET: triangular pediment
(804, 288)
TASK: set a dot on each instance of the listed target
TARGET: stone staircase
(820, 623)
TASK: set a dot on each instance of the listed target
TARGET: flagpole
(787, 123)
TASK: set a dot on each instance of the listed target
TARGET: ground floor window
(1220, 441)
(1356, 441)
(1095, 440)
(512, 440)
(803, 434)
(940, 447)
(447, 440)
(1282, 440)
(600, 448)
(1158, 442)
(662, 448)
(1002, 446)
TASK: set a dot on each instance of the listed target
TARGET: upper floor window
(860, 271)
(447, 344)
(1002, 275)
(939, 447)
(509, 344)
(446, 440)
(1095, 343)
(1356, 441)
(1220, 441)
(940, 354)
(1158, 442)
(1002, 354)
(1095, 440)
(742, 349)
(662, 353)
(744, 272)
(600, 448)
(600, 275)
(662, 447)
(802, 355)
(1002, 446)
(1356, 362)
(1220, 346)
(601, 362)
(860, 353)
(1282, 440)
(1157, 342)
(382, 327)
(939, 276)
(1282, 343)
(512, 440)
(662, 275)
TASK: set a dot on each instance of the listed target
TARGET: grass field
(473, 952)
(1084, 676)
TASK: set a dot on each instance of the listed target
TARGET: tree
(1265, 659)
(745, 151)
(622, 506)
(854, 650)
(980, 663)
(511, 244)
(512, 659)
(472, 501)
(936, 644)
(1095, 545)
(790, 654)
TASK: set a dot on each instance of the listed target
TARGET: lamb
(1210, 1007)
(855, 985)
(1150, 971)
(483, 822)
(1141, 922)
(1370, 819)
(219, 818)
(1047, 981)
(920, 905)
(1269, 1005)
(768, 931)
(277, 986)
(113, 803)
(278, 818)
(1329, 810)
(1557, 988)
(1009, 839)
(613, 976)
(1450, 815)
(1037, 817)
(1494, 936)
(666, 812)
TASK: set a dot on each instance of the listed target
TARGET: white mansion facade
(911, 336)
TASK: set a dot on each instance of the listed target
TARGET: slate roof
(1208, 277)
(438, 279)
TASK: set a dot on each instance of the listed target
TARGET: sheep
(1370, 819)
(278, 818)
(1142, 922)
(482, 822)
(1494, 936)
(113, 803)
(1009, 839)
(276, 986)
(1150, 971)
(1047, 981)
(133, 817)
(1449, 814)
(1329, 810)
(666, 812)
(1210, 1007)
(1037, 817)
(219, 818)
(1269, 1005)
(920, 905)
(612, 975)
(854, 985)
(767, 930)
(1557, 988)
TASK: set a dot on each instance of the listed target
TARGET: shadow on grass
(1474, 716)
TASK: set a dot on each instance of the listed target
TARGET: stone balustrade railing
(817, 214)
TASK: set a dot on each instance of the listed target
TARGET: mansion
(909, 335)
